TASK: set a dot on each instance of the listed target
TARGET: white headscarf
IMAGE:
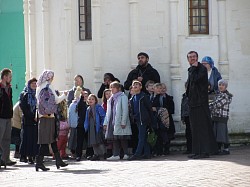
(45, 76)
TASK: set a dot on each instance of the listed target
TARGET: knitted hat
(208, 60)
(78, 92)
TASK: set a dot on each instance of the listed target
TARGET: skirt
(221, 132)
(46, 130)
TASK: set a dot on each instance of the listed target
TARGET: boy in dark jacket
(142, 113)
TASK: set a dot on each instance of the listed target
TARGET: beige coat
(17, 116)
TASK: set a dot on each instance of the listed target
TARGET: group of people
(52, 120)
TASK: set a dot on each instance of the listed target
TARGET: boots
(59, 162)
(2, 163)
(39, 164)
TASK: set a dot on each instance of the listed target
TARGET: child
(185, 121)
(116, 123)
(73, 117)
(141, 110)
(81, 136)
(94, 126)
(220, 113)
(150, 88)
(105, 97)
(159, 128)
(63, 138)
(169, 103)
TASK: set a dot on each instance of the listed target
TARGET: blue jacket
(99, 117)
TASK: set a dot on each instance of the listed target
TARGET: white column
(31, 39)
(97, 44)
(134, 30)
(68, 36)
(45, 36)
(223, 51)
(26, 38)
(176, 83)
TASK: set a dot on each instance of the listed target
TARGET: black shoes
(199, 156)
(30, 160)
(59, 161)
(23, 159)
(224, 152)
(134, 157)
(2, 163)
(95, 158)
(10, 163)
(39, 164)
(78, 158)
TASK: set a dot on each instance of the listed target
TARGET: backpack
(164, 116)
(46, 101)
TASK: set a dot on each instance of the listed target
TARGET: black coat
(148, 73)
(168, 103)
(28, 115)
(197, 89)
(6, 104)
(81, 110)
(146, 115)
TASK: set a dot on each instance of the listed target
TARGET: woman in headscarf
(47, 123)
(213, 73)
(29, 146)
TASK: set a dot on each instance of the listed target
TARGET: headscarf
(209, 60)
(224, 82)
(31, 95)
(45, 76)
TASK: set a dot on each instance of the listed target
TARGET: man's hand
(140, 79)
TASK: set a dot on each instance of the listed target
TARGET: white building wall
(123, 28)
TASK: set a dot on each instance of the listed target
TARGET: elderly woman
(47, 124)
(29, 146)
(213, 73)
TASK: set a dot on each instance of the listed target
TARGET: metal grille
(198, 17)
(85, 28)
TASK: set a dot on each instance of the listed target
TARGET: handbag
(152, 138)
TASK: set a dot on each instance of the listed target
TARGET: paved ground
(172, 170)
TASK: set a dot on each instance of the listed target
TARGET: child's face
(107, 94)
(164, 89)
(150, 88)
(85, 96)
(136, 87)
(132, 92)
(222, 87)
(91, 101)
(157, 90)
(114, 90)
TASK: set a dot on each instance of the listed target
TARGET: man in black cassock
(203, 141)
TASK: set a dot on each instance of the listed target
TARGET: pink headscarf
(45, 76)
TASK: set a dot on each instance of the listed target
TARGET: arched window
(85, 28)
(198, 17)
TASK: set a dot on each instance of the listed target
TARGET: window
(85, 28)
(198, 17)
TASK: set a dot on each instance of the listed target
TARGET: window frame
(199, 7)
(87, 16)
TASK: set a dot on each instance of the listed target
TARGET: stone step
(236, 139)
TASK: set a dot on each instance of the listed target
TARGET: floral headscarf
(45, 76)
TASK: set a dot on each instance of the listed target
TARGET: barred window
(85, 28)
(198, 17)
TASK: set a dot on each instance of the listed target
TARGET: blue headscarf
(209, 60)
(31, 95)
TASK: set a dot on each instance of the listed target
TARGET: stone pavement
(172, 170)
